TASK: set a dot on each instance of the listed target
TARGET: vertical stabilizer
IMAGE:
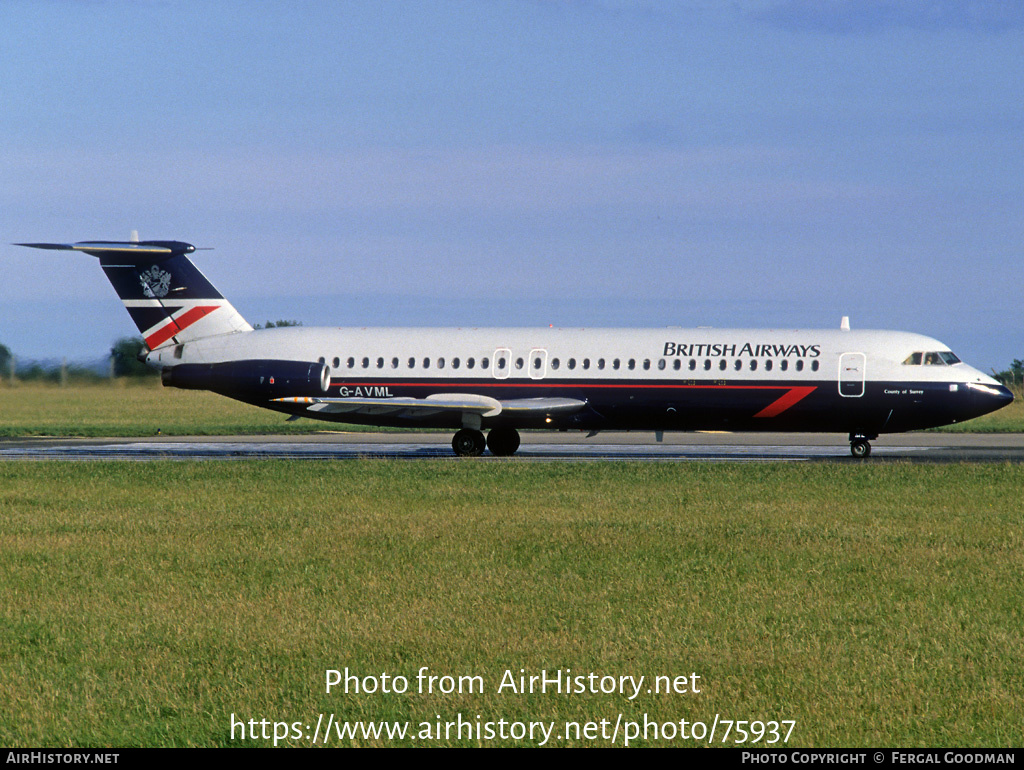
(168, 298)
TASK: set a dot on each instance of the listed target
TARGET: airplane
(503, 380)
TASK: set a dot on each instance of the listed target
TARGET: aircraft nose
(1005, 396)
(988, 398)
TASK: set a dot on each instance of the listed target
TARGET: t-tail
(168, 298)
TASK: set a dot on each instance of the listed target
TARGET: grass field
(143, 409)
(136, 409)
(147, 603)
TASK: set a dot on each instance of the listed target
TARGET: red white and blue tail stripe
(169, 299)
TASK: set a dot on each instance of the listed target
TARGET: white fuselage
(861, 382)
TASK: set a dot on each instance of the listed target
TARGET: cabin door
(852, 369)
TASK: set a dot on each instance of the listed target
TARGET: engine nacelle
(258, 378)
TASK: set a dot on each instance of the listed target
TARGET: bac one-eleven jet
(862, 383)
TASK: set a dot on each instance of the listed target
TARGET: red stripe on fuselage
(785, 401)
(179, 324)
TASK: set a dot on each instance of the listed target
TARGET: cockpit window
(931, 358)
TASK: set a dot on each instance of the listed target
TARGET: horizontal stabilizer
(130, 251)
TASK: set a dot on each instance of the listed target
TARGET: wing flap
(542, 405)
(414, 408)
(438, 403)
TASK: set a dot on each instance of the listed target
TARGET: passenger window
(768, 365)
(440, 363)
(753, 365)
(336, 362)
(784, 365)
(426, 363)
(707, 364)
(800, 365)
(738, 365)
(455, 363)
(814, 366)
(722, 364)
(554, 363)
(470, 363)
(586, 363)
(572, 363)
(693, 364)
(677, 364)
(394, 362)
(380, 363)
(632, 364)
(600, 363)
(661, 363)
(615, 364)
(483, 363)
(366, 363)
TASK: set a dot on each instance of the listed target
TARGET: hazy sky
(771, 163)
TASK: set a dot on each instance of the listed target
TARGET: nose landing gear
(859, 446)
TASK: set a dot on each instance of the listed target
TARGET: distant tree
(126, 358)
(1012, 376)
(277, 324)
(5, 360)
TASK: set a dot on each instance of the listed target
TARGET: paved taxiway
(679, 447)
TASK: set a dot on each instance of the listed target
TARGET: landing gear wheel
(860, 449)
(468, 443)
(503, 442)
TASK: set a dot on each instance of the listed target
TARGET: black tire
(468, 443)
(503, 442)
(860, 449)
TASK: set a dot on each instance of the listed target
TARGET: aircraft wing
(438, 403)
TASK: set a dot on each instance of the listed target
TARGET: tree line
(122, 361)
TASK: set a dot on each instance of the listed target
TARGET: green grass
(137, 409)
(145, 603)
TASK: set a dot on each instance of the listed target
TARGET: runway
(536, 447)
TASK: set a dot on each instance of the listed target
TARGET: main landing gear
(503, 442)
(859, 446)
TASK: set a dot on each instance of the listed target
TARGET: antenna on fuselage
(844, 325)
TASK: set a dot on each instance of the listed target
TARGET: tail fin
(168, 298)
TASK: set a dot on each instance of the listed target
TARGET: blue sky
(771, 163)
